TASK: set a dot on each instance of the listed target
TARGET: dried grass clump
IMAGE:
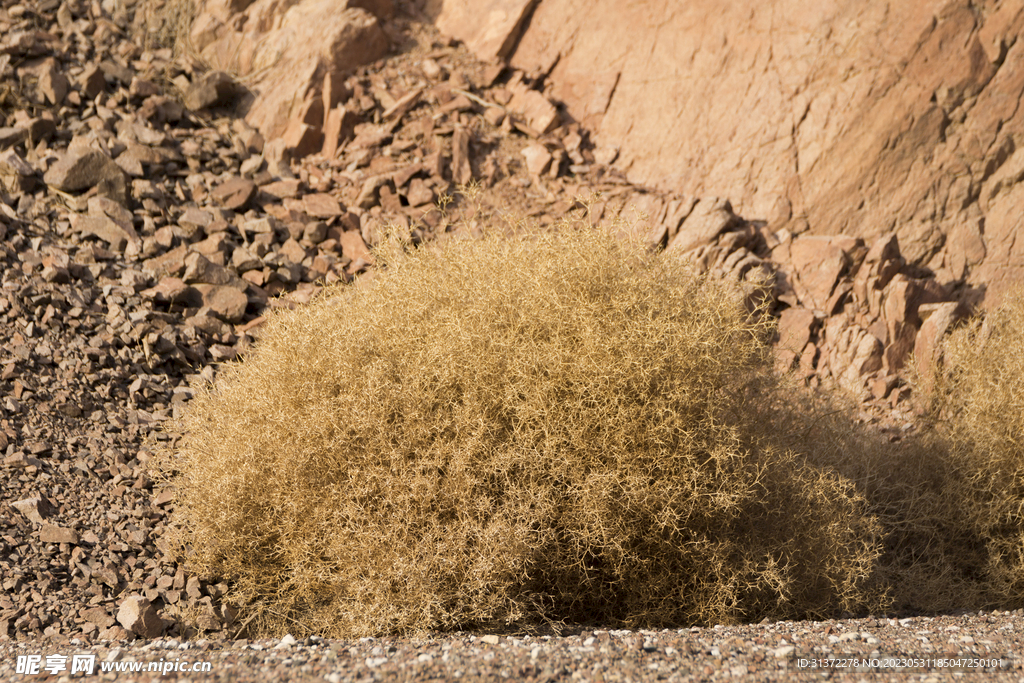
(979, 405)
(514, 432)
(931, 559)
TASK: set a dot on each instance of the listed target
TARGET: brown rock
(108, 230)
(795, 327)
(98, 616)
(322, 206)
(56, 534)
(243, 260)
(708, 219)
(866, 358)
(53, 85)
(354, 248)
(107, 575)
(462, 172)
(281, 189)
(419, 193)
(235, 194)
(839, 149)
(538, 158)
(213, 89)
(171, 263)
(817, 265)
(9, 137)
(194, 218)
(137, 615)
(293, 251)
(289, 53)
(81, 169)
(489, 31)
(881, 263)
(92, 81)
(537, 110)
(302, 139)
(199, 269)
(35, 509)
(16, 175)
(939, 319)
(169, 290)
(227, 303)
(339, 128)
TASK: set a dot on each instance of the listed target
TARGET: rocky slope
(146, 226)
(825, 117)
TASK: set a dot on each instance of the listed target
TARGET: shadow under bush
(514, 432)
(978, 411)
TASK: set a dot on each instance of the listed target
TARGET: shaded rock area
(831, 118)
(149, 217)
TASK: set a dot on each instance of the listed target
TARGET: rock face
(829, 117)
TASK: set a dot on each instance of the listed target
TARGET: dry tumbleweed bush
(979, 403)
(513, 431)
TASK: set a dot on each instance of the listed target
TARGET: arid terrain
(156, 201)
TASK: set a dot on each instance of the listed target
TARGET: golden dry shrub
(513, 432)
(978, 406)
(931, 558)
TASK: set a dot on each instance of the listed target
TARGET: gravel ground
(910, 649)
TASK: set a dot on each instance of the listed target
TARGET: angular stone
(227, 303)
(354, 248)
(36, 509)
(81, 169)
(302, 139)
(287, 55)
(199, 269)
(490, 32)
(137, 615)
(213, 89)
(537, 110)
(795, 327)
(419, 193)
(939, 319)
(9, 137)
(881, 263)
(170, 290)
(105, 228)
(104, 207)
(53, 85)
(92, 81)
(538, 158)
(293, 251)
(172, 263)
(866, 359)
(282, 189)
(50, 533)
(462, 171)
(243, 260)
(817, 264)
(322, 206)
(708, 219)
(16, 175)
(194, 218)
(140, 88)
(235, 194)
